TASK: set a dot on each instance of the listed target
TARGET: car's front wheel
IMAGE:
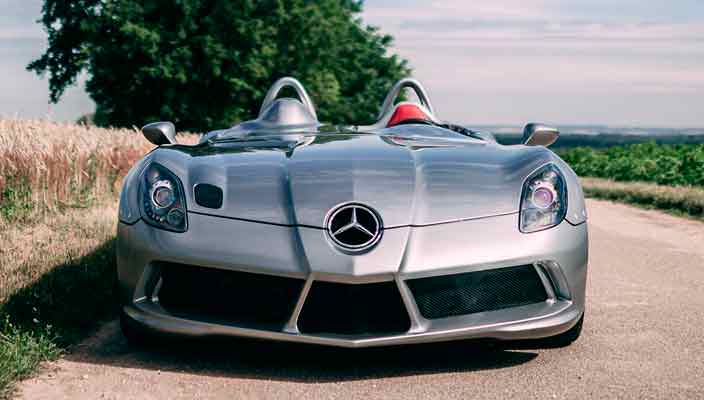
(135, 335)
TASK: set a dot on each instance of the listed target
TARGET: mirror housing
(160, 133)
(539, 135)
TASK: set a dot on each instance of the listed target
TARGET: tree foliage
(207, 64)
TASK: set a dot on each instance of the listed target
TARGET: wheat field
(48, 166)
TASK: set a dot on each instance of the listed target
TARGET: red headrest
(405, 112)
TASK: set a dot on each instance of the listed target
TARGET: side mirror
(539, 135)
(160, 133)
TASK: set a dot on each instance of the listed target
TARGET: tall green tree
(208, 63)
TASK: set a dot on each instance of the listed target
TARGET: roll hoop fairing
(409, 230)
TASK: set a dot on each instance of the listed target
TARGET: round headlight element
(175, 217)
(163, 194)
(543, 197)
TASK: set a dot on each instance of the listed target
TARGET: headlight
(163, 202)
(163, 194)
(544, 200)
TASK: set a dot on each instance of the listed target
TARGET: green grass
(678, 200)
(16, 204)
(20, 353)
(673, 165)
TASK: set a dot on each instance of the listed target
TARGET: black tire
(135, 335)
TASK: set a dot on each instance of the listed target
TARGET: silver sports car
(409, 230)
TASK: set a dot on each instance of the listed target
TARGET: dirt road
(643, 338)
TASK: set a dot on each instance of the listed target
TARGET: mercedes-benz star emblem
(354, 227)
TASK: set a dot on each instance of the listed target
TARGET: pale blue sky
(616, 62)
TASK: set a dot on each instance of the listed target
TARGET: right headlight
(543, 200)
(163, 204)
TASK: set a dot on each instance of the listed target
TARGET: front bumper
(559, 256)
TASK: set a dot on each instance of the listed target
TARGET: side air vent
(208, 195)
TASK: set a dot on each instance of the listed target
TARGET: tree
(207, 64)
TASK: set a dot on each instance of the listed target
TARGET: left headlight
(544, 200)
(163, 204)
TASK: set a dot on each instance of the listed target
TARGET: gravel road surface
(643, 338)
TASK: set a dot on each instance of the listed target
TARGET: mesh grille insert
(473, 292)
(227, 296)
(346, 309)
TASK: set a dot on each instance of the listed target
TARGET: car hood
(299, 179)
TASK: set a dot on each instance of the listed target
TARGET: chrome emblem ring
(354, 227)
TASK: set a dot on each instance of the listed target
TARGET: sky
(608, 62)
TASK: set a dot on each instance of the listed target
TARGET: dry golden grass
(685, 200)
(28, 252)
(48, 166)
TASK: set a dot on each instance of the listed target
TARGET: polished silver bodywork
(447, 203)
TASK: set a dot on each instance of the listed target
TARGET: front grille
(346, 309)
(227, 296)
(473, 292)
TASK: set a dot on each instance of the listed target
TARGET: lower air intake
(336, 308)
(473, 292)
(227, 296)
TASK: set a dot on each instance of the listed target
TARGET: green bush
(675, 165)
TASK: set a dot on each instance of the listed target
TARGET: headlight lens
(544, 200)
(163, 202)
(163, 195)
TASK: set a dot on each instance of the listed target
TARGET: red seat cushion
(405, 112)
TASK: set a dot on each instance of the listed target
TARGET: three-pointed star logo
(354, 226)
